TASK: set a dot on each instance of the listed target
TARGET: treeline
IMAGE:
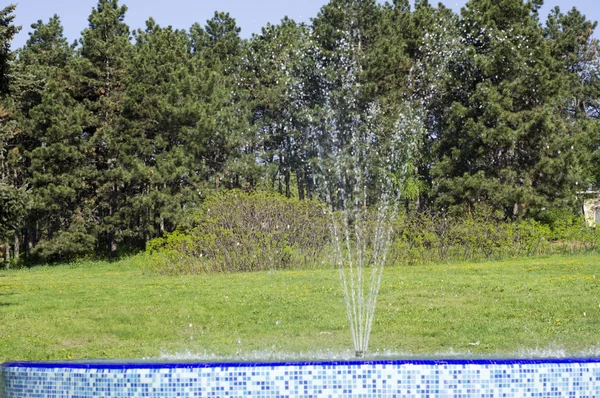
(116, 139)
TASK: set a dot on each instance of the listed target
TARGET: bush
(425, 238)
(239, 232)
(74, 243)
(236, 231)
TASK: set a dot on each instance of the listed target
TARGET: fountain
(362, 158)
(362, 173)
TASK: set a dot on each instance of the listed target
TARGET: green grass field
(116, 310)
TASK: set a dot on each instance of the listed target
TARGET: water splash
(274, 355)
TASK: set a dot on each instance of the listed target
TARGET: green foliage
(75, 243)
(570, 233)
(14, 198)
(51, 121)
(8, 30)
(102, 69)
(221, 109)
(151, 150)
(240, 232)
(46, 46)
(279, 86)
(429, 238)
(14, 203)
(503, 141)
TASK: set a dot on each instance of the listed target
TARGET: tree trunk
(112, 210)
(308, 183)
(418, 198)
(16, 249)
(29, 236)
(279, 184)
(7, 252)
(113, 245)
(288, 193)
(300, 182)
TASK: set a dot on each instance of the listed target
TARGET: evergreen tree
(8, 30)
(428, 47)
(502, 142)
(217, 141)
(576, 54)
(366, 100)
(47, 46)
(158, 108)
(62, 220)
(60, 224)
(390, 62)
(348, 29)
(105, 51)
(13, 195)
(218, 42)
(281, 89)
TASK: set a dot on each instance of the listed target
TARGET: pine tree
(389, 64)
(105, 50)
(158, 109)
(13, 195)
(502, 142)
(218, 42)
(345, 29)
(424, 46)
(280, 89)
(217, 140)
(51, 121)
(8, 30)
(576, 54)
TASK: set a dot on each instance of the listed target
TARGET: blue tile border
(115, 364)
(410, 378)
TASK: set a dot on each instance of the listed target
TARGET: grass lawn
(116, 310)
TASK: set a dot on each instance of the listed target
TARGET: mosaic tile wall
(456, 379)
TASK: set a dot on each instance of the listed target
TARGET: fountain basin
(365, 378)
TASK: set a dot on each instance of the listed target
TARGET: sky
(251, 15)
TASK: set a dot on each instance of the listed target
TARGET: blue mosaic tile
(369, 379)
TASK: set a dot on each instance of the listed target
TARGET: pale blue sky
(250, 15)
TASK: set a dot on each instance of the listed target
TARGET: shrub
(75, 243)
(426, 238)
(236, 231)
